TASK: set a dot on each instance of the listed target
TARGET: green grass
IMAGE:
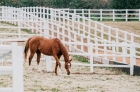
(26, 30)
(80, 58)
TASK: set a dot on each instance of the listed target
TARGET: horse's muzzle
(68, 73)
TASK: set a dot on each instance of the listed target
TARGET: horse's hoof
(68, 73)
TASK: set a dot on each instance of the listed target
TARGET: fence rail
(107, 14)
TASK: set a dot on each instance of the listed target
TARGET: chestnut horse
(51, 47)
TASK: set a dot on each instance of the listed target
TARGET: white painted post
(91, 57)
(20, 70)
(14, 65)
(63, 37)
(124, 51)
(113, 49)
(28, 23)
(89, 14)
(75, 39)
(139, 14)
(57, 30)
(19, 33)
(113, 15)
(96, 47)
(117, 36)
(17, 65)
(126, 15)
(78, 20)
(95, 31)
(63, 18)
(82, 47)
(109, 36)
(100, 14)
(105, 49)
(132, 59)
(102, 31)
(2, 12)
(69, 35)
(83, 26)
(48, 63)
(74, 17)
(46, 29)
(125, 36)
(89, 28)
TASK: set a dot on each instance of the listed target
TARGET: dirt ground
(133, 26)
(80, 80)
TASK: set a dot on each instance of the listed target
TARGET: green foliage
(125, 4)
(60, 3)
(26, 30)
(89, 4)
(80, 58)
(77, 4)
(24, 3)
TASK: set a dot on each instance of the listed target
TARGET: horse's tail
(26, 49)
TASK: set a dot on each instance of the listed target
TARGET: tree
(125, 4)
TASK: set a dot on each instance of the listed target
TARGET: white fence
(16, 70)
(71, 28)
(107, 14)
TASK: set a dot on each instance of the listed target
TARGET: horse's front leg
(57, 63)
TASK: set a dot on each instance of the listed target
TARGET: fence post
(105, 49)
(46, 29)
(15, 68)
(113, 49)
(96, 47)
(100, 14)
(132, 58)
(91, 57)
(2, 12)
(95, 31)
(89, 14)
(48, 63)
(126, 15)
(113, 15)
(117, 36)
(20, 70)
(19, 25)
(17, 65)
(124, 51)
(102, 31)
(139, 14)
(109, 35)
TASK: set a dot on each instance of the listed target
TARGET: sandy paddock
(80, 80)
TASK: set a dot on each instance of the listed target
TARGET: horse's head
(68, 65)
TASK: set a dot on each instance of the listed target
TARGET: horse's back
(45, 45)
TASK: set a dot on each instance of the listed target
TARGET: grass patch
(55, 90)
(26, 30)
(80, 58)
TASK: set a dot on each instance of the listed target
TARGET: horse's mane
(64, 50)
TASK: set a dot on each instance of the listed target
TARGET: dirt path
(80, 80)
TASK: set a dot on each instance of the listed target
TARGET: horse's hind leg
(38, 60)
(30, 59)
